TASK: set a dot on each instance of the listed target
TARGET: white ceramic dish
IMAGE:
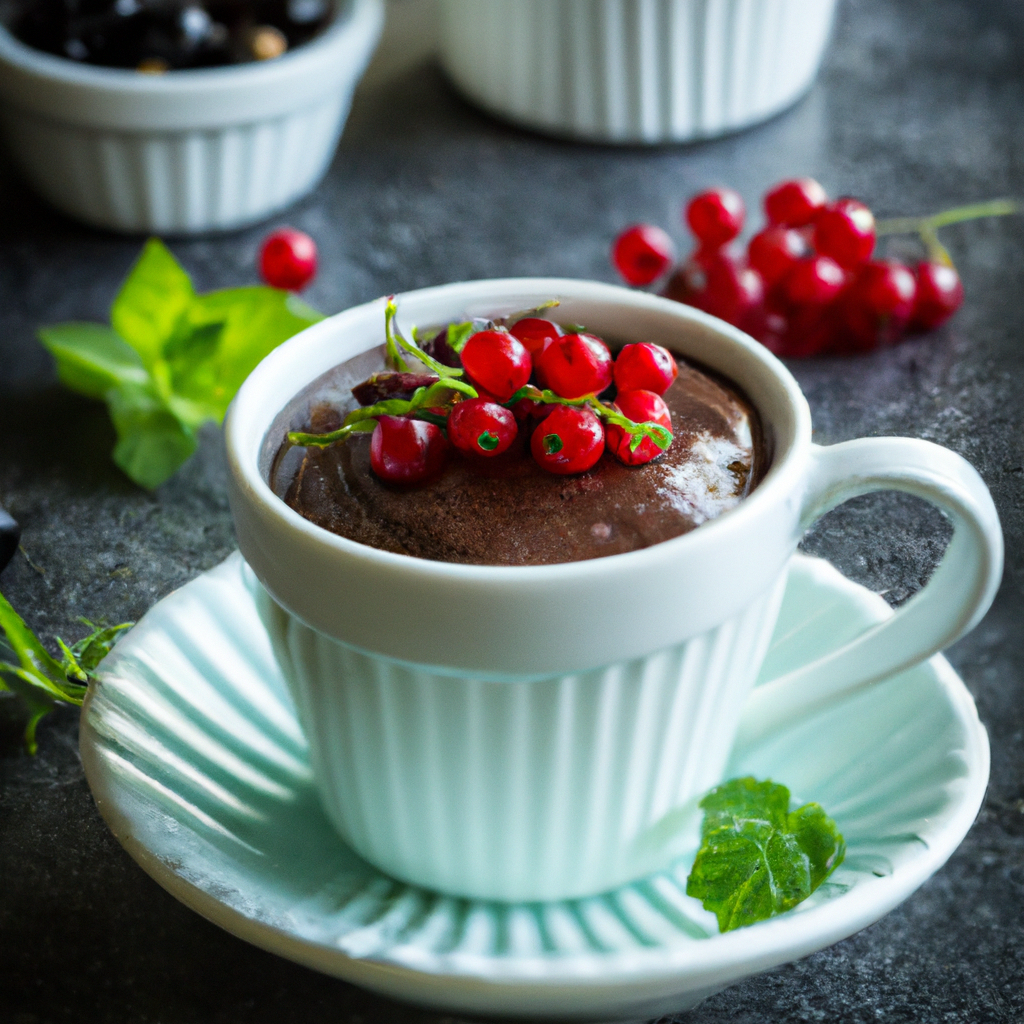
(630, 71)
(577, 707)
(197, 762)
(187, 151)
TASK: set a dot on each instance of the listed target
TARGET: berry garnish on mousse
(419, 405)
(809, 282)
(569, 440)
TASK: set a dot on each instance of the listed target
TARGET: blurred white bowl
(186, 151)
(634, 71)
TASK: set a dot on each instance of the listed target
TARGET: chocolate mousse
(507, 510)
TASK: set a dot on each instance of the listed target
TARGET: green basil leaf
(91, 358)
(151, 302)
(152, 442)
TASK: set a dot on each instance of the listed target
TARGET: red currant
(812, 282)
(645, 367)
(643, 253)
(576, 365)
(773, 251)
(810, 331)
(640, 407)
(720, 284)
(536, 334)
(288, 259)
(481, 427)
(405, 451)
(569, 440)
(794, 203)
(716, 216)
(940, 294)
(498, 362)
(877, 306)
(846, 232)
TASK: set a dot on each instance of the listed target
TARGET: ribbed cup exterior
(634, 71)
(178, 181)
(520, 789)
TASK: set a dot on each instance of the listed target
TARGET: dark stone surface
(918, 108)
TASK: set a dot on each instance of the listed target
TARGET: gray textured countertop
(919, 107)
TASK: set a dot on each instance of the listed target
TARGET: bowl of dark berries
(179, 116)
(522, 546)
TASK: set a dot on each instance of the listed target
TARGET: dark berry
(576, 365)
(498, 362)
(876, 307)
(481, 427)
(716, 216)
(645, 367)
(845, 231)
(406, 451)
(569, 440)
(940, 294)
(773, 251)
(536, 334)
(288, 259)
(812, 282)
(640, 407)
(642, 253)
(794, 203)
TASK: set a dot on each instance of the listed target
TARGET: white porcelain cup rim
(514, 622)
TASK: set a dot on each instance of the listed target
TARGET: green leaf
(151, 302)
(92, 649)
(757, 859)
(152, 442)
(25, 645)
(458, 335)
(225, 335)
(92, 359)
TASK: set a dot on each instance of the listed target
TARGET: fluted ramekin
(634, 71)
(540, 732)
(186, 151)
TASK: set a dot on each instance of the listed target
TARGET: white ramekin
(541, 732)
(187, 151)
(632, 71)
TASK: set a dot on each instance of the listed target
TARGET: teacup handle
(951, 603)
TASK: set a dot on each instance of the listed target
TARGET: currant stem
(974, 211)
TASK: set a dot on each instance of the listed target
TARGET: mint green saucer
(194, 756)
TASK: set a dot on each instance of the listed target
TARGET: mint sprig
(29, 670)
(757, 858)
(171, 359)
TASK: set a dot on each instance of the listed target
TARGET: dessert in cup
(524, 732)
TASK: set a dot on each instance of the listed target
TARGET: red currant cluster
(488, 382)
(807, 283)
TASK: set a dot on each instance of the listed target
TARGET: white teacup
(528, 733)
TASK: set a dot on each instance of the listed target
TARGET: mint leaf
(229, 334)
(152, 442)
(151, 302)
(757, 858)
(91, 359)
